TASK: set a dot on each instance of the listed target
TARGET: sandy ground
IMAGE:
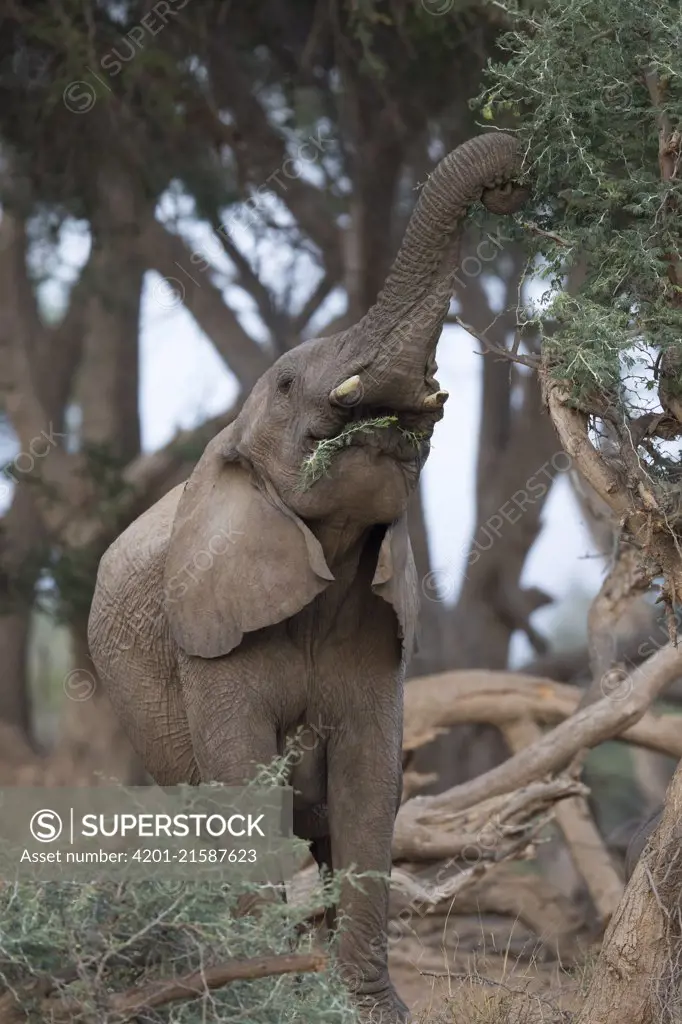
(491, 975)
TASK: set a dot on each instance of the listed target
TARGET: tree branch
(498, 350)
(639, 514)
(276, 320)
(62, 346)
(435, 703)
(266, 157)
(171, 257)
(585, 844)
(324, 288)
(125, 1006)
(603, 720)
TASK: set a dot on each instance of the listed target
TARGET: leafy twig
(317, 464)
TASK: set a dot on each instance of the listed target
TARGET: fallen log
(435, 703)
(420, 818)
(126, 1006)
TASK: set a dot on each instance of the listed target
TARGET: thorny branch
(126, 1006)
(510, 354)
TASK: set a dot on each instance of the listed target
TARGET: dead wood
(496, 828)
(434, 703)
(585, 844)
(505, 891)
(125, 1006)
(417, 819)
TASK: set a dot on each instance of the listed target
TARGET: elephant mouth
(378, 431)
(395, 440)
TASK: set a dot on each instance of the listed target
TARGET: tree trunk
(109, 377)
(21, 536)
(637, 976)
(15, 702)
(91, 739)
(376, 178)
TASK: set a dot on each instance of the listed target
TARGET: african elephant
(271, 603)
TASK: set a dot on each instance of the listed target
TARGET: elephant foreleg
(364, 782)
(321, 850)
(231, 735)
(231, 739)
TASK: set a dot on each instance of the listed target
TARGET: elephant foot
(387, 1008)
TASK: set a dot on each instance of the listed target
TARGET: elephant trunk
(405, 322)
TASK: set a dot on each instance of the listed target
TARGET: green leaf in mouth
(317, 464)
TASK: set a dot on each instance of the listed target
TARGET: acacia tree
(604, 155)
(597, 92)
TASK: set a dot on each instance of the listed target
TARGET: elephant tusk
(349, 392)
(436, 401)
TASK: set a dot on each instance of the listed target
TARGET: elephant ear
(395, 580)
(238, 559)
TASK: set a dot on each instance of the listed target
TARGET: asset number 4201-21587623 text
(211, 856)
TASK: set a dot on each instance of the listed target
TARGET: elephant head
(383, 365)
(383, 368)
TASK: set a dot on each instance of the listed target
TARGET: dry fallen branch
(414, 781)
(419, 818)
(495, 829)
(435, 703)
(529, 898)
(585, 844)
(424, 902)
(483, 836)
(124, 1006)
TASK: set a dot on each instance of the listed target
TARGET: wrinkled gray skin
(241, 607)
(639, 841)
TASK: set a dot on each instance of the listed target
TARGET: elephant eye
(284, 383)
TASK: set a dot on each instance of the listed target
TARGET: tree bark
(15, 703)
(91, 739)
(637, 976)
(21, 536)
(109, 381)
(603, 720)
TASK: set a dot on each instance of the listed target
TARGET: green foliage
(92, 940)
(72, 573)
(317, 465)
(591, 82)
(433, 32)
(109, 937)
